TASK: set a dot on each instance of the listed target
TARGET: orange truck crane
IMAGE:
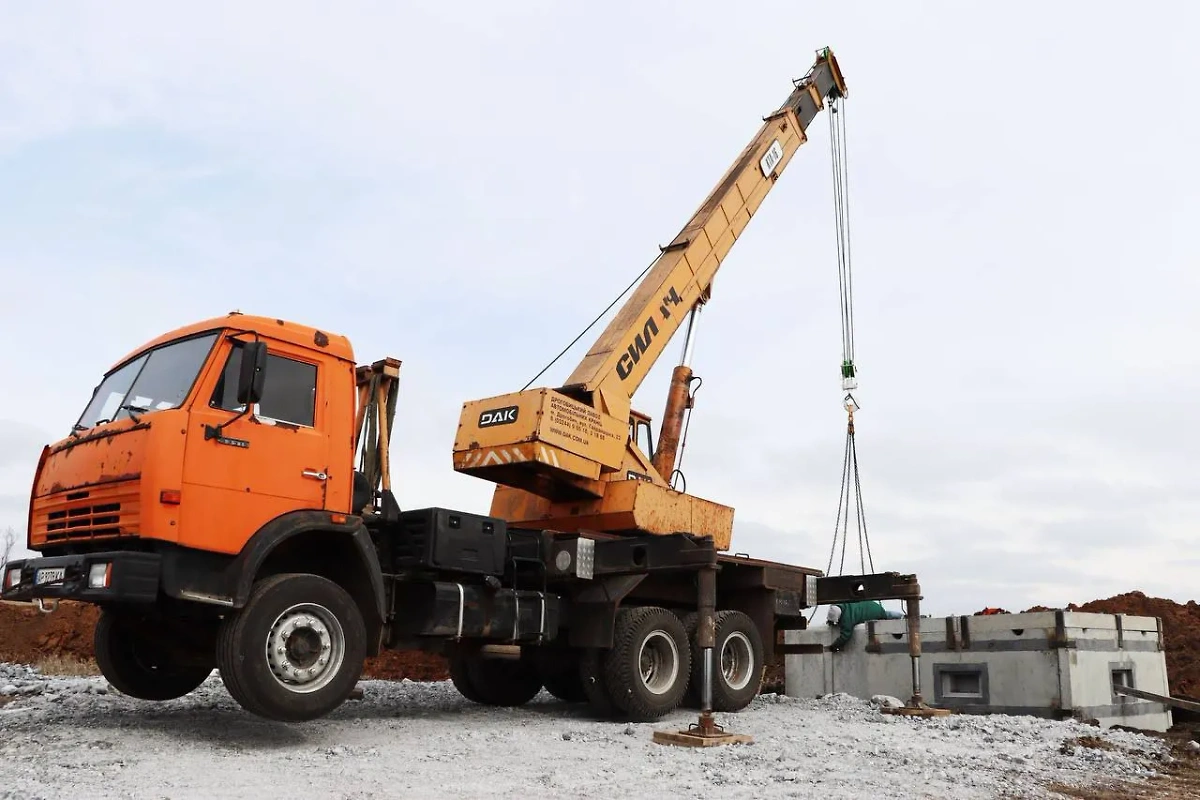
(225, 499)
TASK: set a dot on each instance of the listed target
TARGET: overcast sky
(465, 185)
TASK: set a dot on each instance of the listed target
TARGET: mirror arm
(217, 431)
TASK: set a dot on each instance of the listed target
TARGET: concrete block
(1046, 664)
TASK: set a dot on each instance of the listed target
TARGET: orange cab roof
(267, 327)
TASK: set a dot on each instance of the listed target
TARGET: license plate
(50, 575)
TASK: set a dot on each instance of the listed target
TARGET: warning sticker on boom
(576, 424)
(771, 158)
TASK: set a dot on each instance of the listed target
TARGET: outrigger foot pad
(705, 733)
(916, 708)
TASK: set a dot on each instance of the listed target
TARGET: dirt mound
(773, 677)
(1181, 632)
(28, 636)
(392, 665)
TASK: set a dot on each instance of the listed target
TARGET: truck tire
(295, 651)
(738, 662)
(133, 661)
(691, 697)
(494, 681)
(592, 680)
(460, 676)
(560, 676)
(647, 669)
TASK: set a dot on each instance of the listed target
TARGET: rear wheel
(560, 675)
(646, 671)
(295, 651)
(494, 681)
(593, 683)
(139, 659)
(737, 662)
(460, 676)
(691, 697)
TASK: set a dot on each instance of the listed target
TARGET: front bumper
(130, 577)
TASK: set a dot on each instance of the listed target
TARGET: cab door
(260, 465)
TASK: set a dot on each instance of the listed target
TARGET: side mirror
(252, 374)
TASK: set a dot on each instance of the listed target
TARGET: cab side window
(289, 391)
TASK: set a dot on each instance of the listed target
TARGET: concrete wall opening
(960, 684)
(1122, 675)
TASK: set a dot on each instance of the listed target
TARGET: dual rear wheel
(738, 662)
(655, 665)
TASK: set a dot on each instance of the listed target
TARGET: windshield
(160, 378)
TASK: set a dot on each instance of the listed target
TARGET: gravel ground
(76, 737)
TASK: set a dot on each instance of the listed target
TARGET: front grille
(101, 511)
(98, 520)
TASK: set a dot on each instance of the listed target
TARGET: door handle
(316, 475)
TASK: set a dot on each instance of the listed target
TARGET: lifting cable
(851, 481)
(592, 324)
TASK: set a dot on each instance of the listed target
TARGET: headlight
(99, 575)
(12, 577)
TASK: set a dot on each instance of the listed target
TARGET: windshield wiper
(134, 411)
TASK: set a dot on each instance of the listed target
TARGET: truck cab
(177, 398)
(209, 463)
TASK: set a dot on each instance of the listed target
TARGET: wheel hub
(305, 647)
(658, 662)
(737, 660)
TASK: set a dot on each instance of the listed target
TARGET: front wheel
(140, 661)
(295, 651)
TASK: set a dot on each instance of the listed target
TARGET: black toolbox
(438, 538)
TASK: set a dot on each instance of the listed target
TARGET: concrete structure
(1049, 664)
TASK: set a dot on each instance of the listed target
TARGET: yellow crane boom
(568, 458)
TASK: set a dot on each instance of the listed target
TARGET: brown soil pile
(1181, 632)
(393, 665)
(28, 636)
(773, 677)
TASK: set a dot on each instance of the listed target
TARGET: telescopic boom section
(633, 341)
(566, 458)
